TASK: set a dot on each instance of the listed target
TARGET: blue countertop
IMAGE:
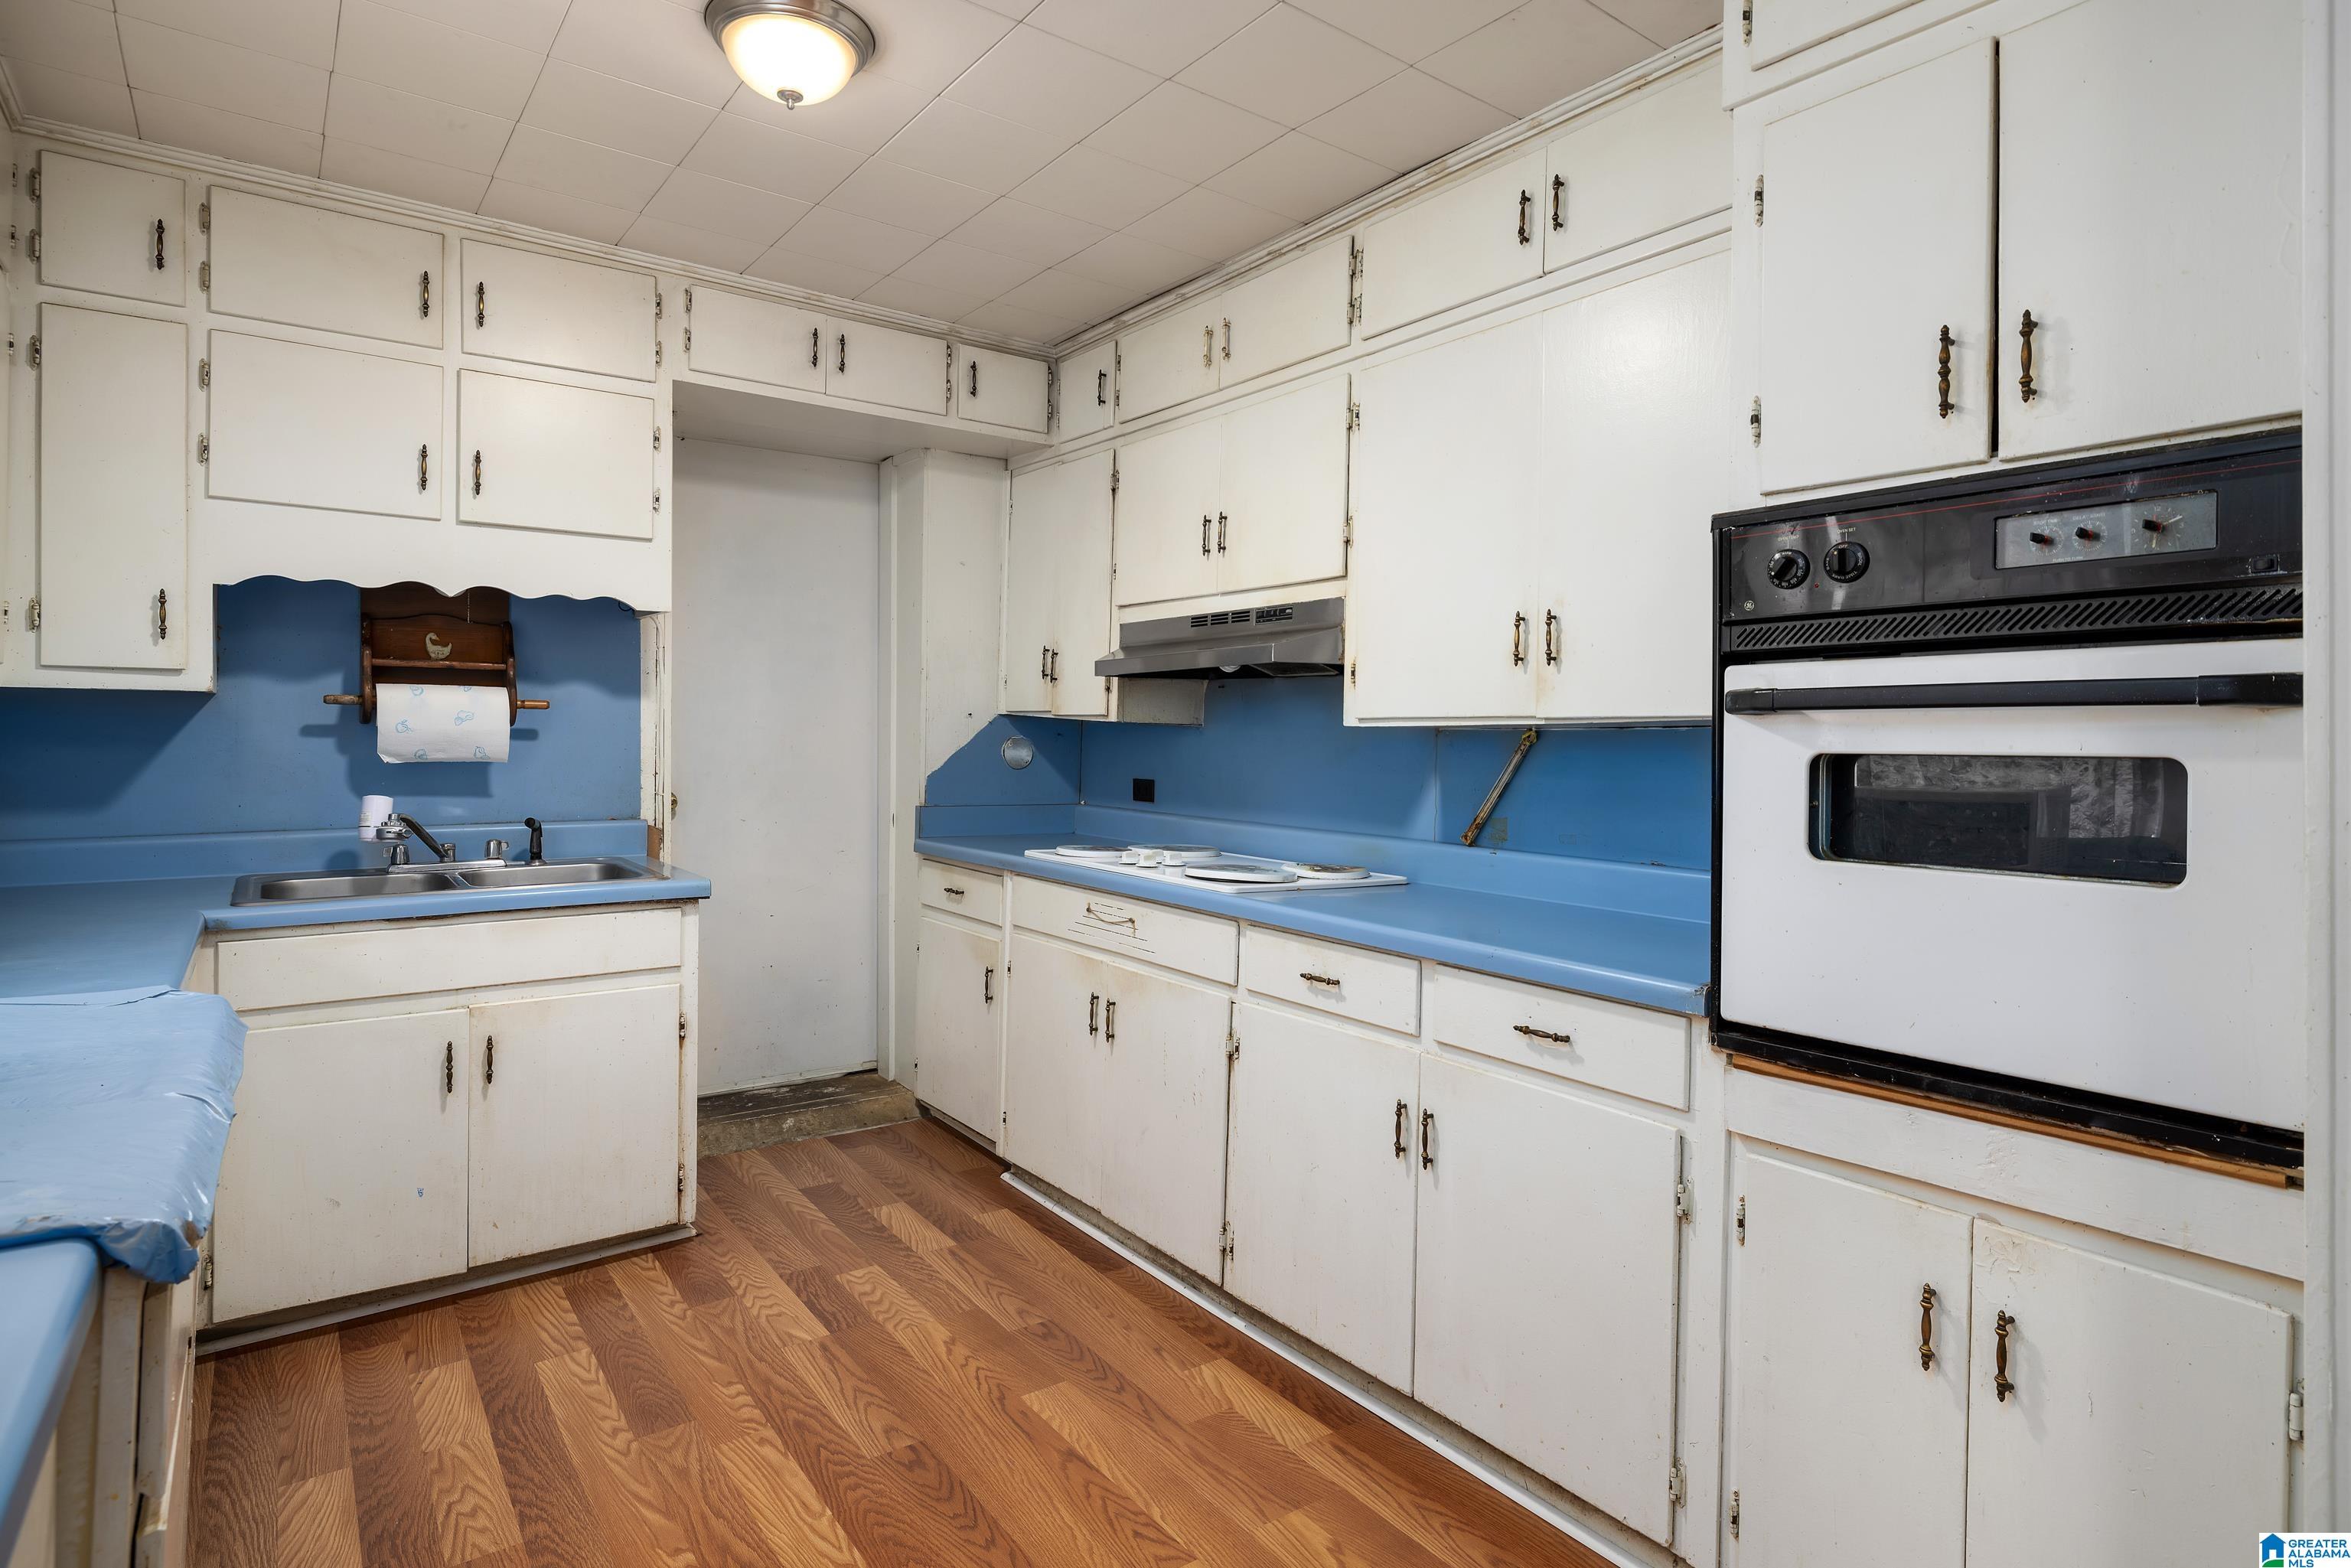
(49, 1299)
(1648, 959)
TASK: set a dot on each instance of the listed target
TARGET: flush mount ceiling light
(794, 51)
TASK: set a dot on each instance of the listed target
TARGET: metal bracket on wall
(1494, 796)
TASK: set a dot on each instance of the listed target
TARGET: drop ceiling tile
(869, 111)
(525, 23)
(63, 35)
(578, 168)
(957, 142)
(1208, 223)
(781, 265)
(1015, 322)
(830, 233)
(573, 100)
(1299, 177)
(1290, 67)
(203, 128)
(300, 30)
(907, 198)
(424, 128)
(967, 269)
(1035, 79)
(649, 42)
(1412, 29)
(1406, 121)
(1141, 266)
(922, 299)
(49, 94)
(723, 207)
(1538, 55)
(929, 43)
(752, 152)
(1665, 22)
(1059, 293)
(1028, 233)
(519, 203)
(1016, 9)
(1180, 131)
(687, 243)
(223, 76)
(1159, 37)
(379, 169)
(399, 49)
(1086, 184)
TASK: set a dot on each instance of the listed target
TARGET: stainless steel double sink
(461, 877)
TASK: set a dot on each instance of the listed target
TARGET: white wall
(777, 713)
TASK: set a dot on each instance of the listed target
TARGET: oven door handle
(2278, 689)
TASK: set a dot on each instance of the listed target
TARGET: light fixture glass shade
(792, 51)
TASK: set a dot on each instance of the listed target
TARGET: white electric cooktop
(1206, 864)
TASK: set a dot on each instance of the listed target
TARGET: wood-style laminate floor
(875, 1353)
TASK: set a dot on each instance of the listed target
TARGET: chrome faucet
(410, 827)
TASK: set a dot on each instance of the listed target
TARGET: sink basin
(305, 884)
(552, 873)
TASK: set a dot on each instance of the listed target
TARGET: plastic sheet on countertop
(114, 1112)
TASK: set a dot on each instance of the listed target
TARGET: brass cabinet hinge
(208, 1272)
(203, 448)
(1747, 35)
(689, 301)
(1225, 1241)
(657, 354)
(680, 1025)
(203, 372)
(33, 614)
(657, 437)
(1350, 671)
(36, 185)
(1232, 1045)
(681, 1181)
(35, 351)
(657, 497)
(1682, 1201)
(33, 245)
(2293, 1414)
(1734, 1515)
(1758, 201)
(205, 276)
(1113, 476)
(1755, 422)
(1347, 532)
(1738, 1226)
(688, 344)
(657, 304)
(1354, 415)
(1677, 1484)
(204, 218)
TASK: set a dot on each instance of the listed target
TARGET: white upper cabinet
(1655, 163)
(112, 490)
(539, 455)
(306, 426)
(1031, 592)
(1877, 238)
(1087, 382)
(2150, 184)
(1057, 617)
(111, 230)
(1169, 483)
(1783, 27)
(882, 364)
(311, 266)
(1281, 509)
(754, 340)
(999, 389)
(1467, 239)
(548, 311)
(1283, 315)
(1171, 360)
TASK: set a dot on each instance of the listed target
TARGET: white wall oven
(2008, 793)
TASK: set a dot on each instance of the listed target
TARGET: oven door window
(2099, 818)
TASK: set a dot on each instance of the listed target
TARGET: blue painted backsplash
(263, 752)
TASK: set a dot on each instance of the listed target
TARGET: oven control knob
(1787, 568)
(1845, 561)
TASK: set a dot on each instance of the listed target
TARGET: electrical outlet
(1146, 789)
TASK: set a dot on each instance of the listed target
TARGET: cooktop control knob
(1787, 568)
(1845, 560)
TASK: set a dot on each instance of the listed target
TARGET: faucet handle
(493, 849)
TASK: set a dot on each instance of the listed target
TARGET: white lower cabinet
(1162, 1114)
(1056, 1081)
(1057, 617)
(542, 455)
(959, 998)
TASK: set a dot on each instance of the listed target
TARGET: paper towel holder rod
(412, 632)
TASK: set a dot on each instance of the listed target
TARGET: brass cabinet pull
(1220, 533)
(1518, 639)
(2001, 1326)
(1109, 1023)
(975, 379)
(478, 470)
(1526, 217)
(424, 294)
(162, 616)
(481, 304)
(1093, 1013)
(1228, 336)
(448, 1068)
(1102, 388)
(489, 1060)
(1943, 375)
(1207, 346)
(1925, 1328)
(816, 347)
(424, 468)
(1053, 664)
(1315, 979)
(159, 244)
(1205, 523)
(952, 891)
(1044, 662)
(1531, 1032)
(1402, 1148)
(1109, 916)
(841, 365)
(987, 987)
(1428, 1140)
(2025, 329)
(1558, 190)
(1551, 638)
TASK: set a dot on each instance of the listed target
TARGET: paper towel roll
(429, 723)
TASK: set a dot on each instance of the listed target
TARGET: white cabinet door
(346, 1164)
(1877, 234)
(113, 491)
(1056, 1081)
(1320, 1183)
(882, 364)
(754, 340)
(1172, 361)
(1840, 1440)
(1639, 170)
(576, 1117)
(547, 310)
(1784, 27)
(1081, 618)
(1544, 1318)
(1468, 240)
(1086, 381)
(1282, 509)
(309, 266)
(539, 455)
(999, 389)
(1283, 315)
(2149, 177)
(959, 988)
(1163, 1113)
(1449, 473)
(1033, 588)
(1636, 446)
(2144, 1419)
(111, 230)
(1165, 512)
(304, 426)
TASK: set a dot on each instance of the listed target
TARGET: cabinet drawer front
(301, 425)
(545, 311)
(960, 890)
(351, 966)
(1198, 944)
(309, 266)
(1352, 982)
(1632, 1051)
(567, 458)
(756, 340)
(98, 229)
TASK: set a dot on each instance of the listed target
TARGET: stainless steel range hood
(1301, 639)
